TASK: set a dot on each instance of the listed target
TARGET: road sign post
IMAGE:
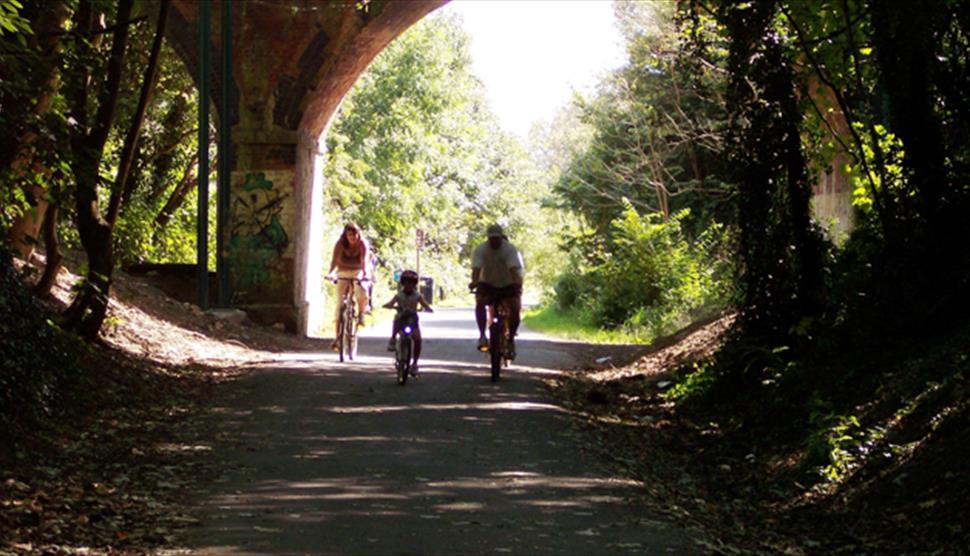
(419, 243)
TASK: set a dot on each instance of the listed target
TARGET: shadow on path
(338, 459)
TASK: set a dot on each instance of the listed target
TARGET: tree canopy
(415, 146)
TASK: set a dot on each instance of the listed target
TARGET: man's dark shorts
(488, 294)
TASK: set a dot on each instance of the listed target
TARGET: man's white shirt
(496, 264)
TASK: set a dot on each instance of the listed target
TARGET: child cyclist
(407, 301)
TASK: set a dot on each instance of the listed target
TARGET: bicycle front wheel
(347, 333)
(340, 336)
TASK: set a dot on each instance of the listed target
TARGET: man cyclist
(497, 273)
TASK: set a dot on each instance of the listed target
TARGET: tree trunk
(747, 28)
(904, 35)
(807, 264)
(88, 310)
(52, 246)
(22, 234)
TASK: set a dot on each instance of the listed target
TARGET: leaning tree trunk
(175, 200)
(123, 185)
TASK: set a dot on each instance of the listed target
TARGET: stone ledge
(273, 314)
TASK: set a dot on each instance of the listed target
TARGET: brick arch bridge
(292, 63)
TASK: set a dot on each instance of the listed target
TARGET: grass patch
(573, 325)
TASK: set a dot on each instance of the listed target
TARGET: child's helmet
(409, 276)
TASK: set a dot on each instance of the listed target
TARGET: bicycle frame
(497, 313)
(347, 323)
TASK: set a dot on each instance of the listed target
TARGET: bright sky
(532, 54)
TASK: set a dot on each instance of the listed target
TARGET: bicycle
(347, 323)
(498, 337)
(404, 347)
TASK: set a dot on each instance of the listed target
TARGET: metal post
(419, 244)
(225, 157)
(202, 214)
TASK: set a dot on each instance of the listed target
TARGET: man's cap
(495, 231)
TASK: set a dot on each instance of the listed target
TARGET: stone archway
(293, 62)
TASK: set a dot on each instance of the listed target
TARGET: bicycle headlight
(407, 329)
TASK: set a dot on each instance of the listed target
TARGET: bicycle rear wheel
(352, 337)
(496, 349)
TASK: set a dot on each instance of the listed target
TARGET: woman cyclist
(350, 260)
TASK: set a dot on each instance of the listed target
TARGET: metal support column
(225, 157)
(202, 214)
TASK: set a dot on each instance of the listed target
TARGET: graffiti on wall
(258, 238)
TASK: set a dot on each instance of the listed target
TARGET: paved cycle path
(331, 458)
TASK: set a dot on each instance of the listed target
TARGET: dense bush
(36, 357)
(652, 279)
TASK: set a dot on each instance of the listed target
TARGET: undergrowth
(863, 430)
(37, 359)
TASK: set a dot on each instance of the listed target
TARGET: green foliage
(38, 358)
(416, 147)
(10, 18)
(165, 168)
(32, 151)
(574, 324)
(647, 180)
(895, 109)
(35, 147)
(651, 279)
(656, 127)
(695, 384)
(832, 441)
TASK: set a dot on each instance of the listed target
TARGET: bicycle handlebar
(336, 279)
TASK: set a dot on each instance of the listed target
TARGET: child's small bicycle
(406, 336)
(404, 347)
